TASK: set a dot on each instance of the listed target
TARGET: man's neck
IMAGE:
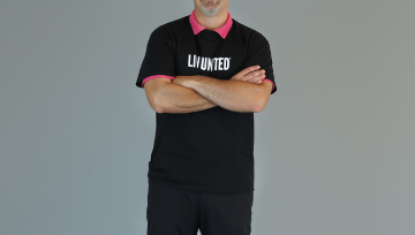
(212, 22)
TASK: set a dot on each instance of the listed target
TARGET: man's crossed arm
(244, 92)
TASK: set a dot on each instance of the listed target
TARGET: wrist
(186, 81)
(193, 81)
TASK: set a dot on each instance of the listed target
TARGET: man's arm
(157, 68)
(167, 97)
(238, 96)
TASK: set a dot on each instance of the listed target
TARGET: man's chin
(210, 11)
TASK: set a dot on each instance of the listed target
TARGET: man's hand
(251, 74)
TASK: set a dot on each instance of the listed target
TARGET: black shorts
(172, 211)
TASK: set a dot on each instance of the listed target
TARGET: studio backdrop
(334, 147)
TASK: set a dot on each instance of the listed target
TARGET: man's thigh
(172, 211)
(226, 213)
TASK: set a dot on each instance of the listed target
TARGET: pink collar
(223, 31)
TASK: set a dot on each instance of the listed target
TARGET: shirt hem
(173, 185)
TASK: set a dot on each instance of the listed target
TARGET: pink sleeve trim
(155, 76)
(266, 79)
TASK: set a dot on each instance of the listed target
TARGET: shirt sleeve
(158, 59)
(259, 53)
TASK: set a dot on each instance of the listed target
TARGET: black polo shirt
(210, 150)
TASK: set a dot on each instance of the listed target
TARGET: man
(205, 75)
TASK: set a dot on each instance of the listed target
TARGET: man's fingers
(250, 74)
(256, 73)
(255, 79)
(249, 70)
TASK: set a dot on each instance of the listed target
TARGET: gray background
(334, 149)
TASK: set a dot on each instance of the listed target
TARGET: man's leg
(172, 211)
(226, 213)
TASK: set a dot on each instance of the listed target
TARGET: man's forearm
(174, 98)
(238, 96)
